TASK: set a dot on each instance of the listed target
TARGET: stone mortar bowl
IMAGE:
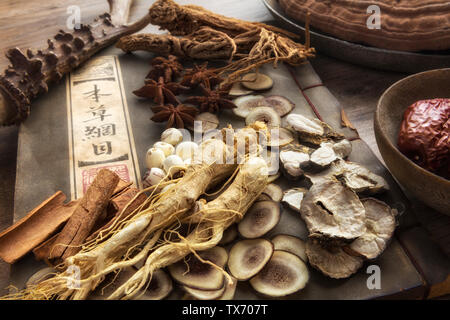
(428, 187)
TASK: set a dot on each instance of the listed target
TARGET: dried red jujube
(425, 135)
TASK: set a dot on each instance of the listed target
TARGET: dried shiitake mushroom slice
(257, 81)
(263, 114)
(291, 244)
(193, 273)
(262, 217)
(248, 257)
(323, 156)
(271, 192)
(246, 104)
(294, 197)
(332, 210)
(334, 262)
(380, 224)
(312, 131)
(284, 274)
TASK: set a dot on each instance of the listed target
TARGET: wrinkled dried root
(122, 246)
(212, 218)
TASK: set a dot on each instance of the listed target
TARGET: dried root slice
(257, 81)
(294, 197)
(280, 104)
(290, 244)
(263, 114)
(284, 274)
(271, 192)
(312, 130)
(342, 148)
(229, 234)
(248, 257)
(204, 122)
(160, 286)
(280, 138)
(293, 163)
(193, 273)
(230, 289)
(334, 211)
(380, 224)
(262, 217)
(205, 294)
(246, 104)
(334, 262)
(238, 90)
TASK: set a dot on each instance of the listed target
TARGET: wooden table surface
(25, 23)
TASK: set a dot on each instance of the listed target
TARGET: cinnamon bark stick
(35, 227)
(87, 212)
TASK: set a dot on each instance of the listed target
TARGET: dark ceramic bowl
(431, 189)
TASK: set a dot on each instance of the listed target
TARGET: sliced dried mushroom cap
(263, 114)
(193, 273)
(280, 137)
(229, 234)
(294, 197)
(205, 294)
(280, 104)
(332, 210)
(257, 81)
(284, 274)
(262, 217)
(230, 289)
(160, 286)
(342, 148)
(293, 163)
(204, 122)
(311, 130)
(246, 104)
(353, 175)
(248, 257)
(323, 156)
(271, 192)
(238, 90)
(333, 262)
(290, 244)
(380, 224)
(360, 179)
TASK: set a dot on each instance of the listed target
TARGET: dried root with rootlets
(129, 242)
(206, 35)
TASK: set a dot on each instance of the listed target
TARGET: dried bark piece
(334, 262)
(380, 226)
(30, 75)
(88, 210)
(407, 25)
(35, 227)
(334, 212)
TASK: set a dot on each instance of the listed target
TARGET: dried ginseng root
(205, 35)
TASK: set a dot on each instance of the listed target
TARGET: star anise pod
(211, 101)
(169, 68)
(161, 92)
(201, 75)
(180, 116)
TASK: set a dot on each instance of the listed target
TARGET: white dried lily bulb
(154, 158)
(172, 161)
(153, 177)
(186, 150)
(172, 136)
(167, 148)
